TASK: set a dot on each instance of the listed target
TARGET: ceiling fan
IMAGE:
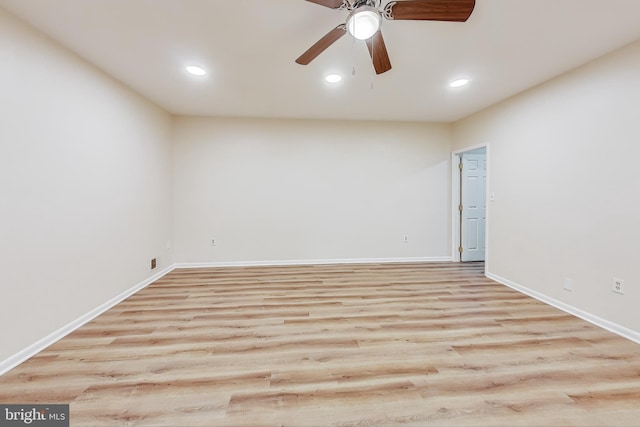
(365, 16)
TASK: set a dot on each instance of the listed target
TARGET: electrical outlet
(568, 284)
(618, 286)
(213, 241)
(153, 263)
(406, 239)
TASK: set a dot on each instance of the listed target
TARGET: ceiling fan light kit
(365, 18)
(363, 22)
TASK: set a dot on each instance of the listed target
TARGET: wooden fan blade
(431, 10)
(378, 52)
(333, 4)
(320, 46)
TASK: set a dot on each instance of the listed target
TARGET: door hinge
(460, 249)
(460, 208)
(460, 166)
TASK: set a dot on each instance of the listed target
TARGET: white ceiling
(249, 47)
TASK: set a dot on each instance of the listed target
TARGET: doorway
(470, 204)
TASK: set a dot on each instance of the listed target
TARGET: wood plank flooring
(348, 345)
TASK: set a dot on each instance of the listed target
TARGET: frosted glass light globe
(363, 22)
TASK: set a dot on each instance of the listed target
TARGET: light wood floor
(394, 344)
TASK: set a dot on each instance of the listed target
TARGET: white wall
(563, 163)
(85, 187)
(292, 190)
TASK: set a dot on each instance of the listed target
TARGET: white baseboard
(593, 319)
(35, 348)
(311, 262)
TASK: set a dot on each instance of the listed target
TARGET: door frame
(455, 201)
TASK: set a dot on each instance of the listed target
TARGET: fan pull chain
(353, 56)
(373, 49)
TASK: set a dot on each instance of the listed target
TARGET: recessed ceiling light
(333, 78)
(196, 71)
(459, 83)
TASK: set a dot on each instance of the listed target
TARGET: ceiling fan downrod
(354, 4)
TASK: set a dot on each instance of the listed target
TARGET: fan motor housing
(358, 3)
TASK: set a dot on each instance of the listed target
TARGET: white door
(474, 206)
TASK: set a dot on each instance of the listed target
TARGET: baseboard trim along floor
(38, 346)
(55, 336)
(595, 320)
